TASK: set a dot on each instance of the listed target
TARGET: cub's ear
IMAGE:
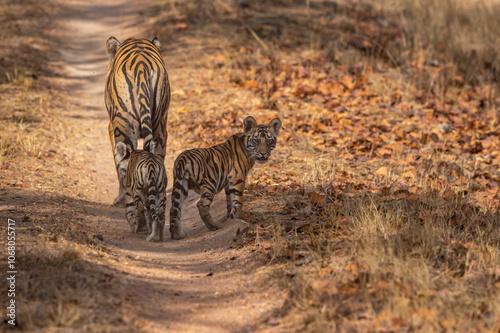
(248, 124)
(112, 45)
(275, 126)
(157, 43)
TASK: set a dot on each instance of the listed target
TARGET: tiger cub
(224, 166)
(145, 184)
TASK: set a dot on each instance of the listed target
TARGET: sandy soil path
(199, 284)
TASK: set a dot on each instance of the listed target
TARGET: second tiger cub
(224, 166)
(145, 184)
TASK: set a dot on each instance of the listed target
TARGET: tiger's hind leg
(149, 220)
(161, 209)
(142, 219)
(121, 162)
(118, 200)
(140, 211)
(156, 201)
(158, 227)
(154, 229)
(207, 196)
(153, 235)
(130, 211)
(179, 193)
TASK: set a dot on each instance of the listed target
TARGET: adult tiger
(137, 97)
(224, 166)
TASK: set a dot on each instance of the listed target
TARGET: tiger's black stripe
(137, 97)
(146, 182)
(224, 166)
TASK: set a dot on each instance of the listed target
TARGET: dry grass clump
(26, 119)
(25, 38)
(463, 33)
(65, 288)
(26, 123)
(427, 261)
(402, 233)
(438, 43)
(176, 17)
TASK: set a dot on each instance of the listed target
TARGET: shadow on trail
(84, 221)
(110, 280)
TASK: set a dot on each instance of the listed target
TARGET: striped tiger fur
(224, 166)
(145, 186)
(137, 97)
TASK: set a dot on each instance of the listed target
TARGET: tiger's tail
(153, 198)
(177, 189)
(179, 193)
(152, 193)
(146, 107)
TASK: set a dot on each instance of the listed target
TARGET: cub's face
(261, 139)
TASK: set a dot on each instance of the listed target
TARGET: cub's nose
(261, 157)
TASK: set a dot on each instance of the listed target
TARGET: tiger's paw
(142, 228)
(153, 238)
(212, 225)
(119, 201)
(177, 233)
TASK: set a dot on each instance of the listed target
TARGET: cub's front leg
(236, 196)
(229, 201)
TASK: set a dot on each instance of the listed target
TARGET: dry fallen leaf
(316, 198)
(180, 26)
(382, 171)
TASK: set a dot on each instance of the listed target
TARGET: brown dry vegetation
(59, 285)
(26, 110)
(379, 208)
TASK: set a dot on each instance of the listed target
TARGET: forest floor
(377, 211)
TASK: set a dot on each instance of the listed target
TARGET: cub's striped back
(146, 182)
(224, 166)
(137, 97)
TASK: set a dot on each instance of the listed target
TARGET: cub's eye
(255, 140)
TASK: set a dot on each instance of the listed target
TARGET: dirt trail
(198, 284)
